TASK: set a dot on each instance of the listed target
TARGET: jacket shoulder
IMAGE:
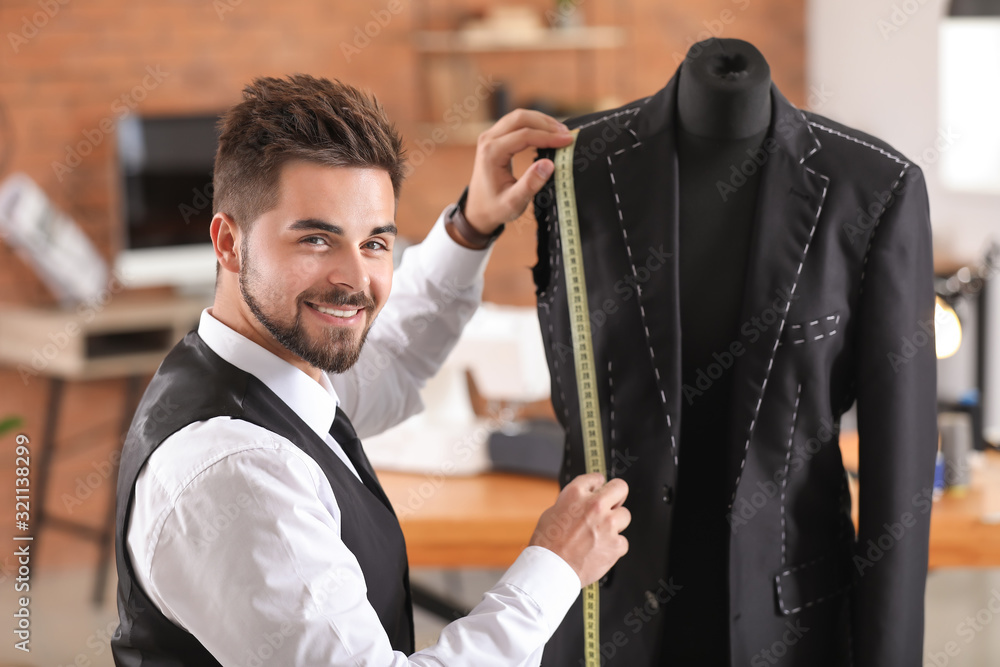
(867, 153)
(593, 119)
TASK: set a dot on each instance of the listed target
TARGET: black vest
(194, 384)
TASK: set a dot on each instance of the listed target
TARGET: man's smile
(340, 314)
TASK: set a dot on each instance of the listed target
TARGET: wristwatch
(471, 235)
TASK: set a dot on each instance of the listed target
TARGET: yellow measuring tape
(583, 362)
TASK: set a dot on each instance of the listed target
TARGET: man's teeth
(334, 312)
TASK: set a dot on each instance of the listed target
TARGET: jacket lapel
(789, 203)
(644, 172)
(644, 175)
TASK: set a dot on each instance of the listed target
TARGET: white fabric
(235, 532)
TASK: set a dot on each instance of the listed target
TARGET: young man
(251, 527)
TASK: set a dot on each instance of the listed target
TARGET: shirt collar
(315, 403)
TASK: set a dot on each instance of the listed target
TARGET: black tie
(345, 435)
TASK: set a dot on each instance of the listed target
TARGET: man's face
(316, 269)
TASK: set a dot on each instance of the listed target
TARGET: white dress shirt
(235, 531)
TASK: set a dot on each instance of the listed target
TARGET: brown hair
(301, 118)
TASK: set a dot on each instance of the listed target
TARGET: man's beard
(338, 351)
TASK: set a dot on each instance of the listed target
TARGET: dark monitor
(165, 166)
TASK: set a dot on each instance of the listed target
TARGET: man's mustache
(341, 298)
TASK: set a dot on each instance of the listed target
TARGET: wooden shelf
(585, 38)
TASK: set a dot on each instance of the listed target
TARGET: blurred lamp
(947, 329)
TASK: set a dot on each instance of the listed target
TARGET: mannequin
(735, 317)
(724, 110)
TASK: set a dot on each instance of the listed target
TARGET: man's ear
(226, 240)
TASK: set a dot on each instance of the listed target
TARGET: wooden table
(486, 520)
(124, 335)
(480, 521)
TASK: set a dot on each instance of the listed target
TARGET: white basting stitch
(813, 135)
(895, 158)
(799, 341)
(781, 327)
(552, 262)
(810, 603)
(604, 118)
(802, 566)
(793, 570)
(784, 479)
(902, 174)
(619, 151)
(555, 364)
(611, 402)
(871, 238)
(642, 310)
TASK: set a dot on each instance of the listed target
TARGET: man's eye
(375, 245)
(314, 240)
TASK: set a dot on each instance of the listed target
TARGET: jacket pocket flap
(810, 583)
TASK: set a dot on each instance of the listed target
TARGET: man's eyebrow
(385, 229)
(313, 224)
(310, 224)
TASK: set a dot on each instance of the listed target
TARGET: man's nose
(349, 271)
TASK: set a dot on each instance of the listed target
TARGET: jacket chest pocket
(810, 332)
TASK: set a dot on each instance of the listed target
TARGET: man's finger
(519, 195)
(502, 148)
(620, 519)
(591, 481)
(613, 493)
(523, 118)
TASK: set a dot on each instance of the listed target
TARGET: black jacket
(838, 308)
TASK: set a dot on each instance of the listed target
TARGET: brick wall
(70, 67)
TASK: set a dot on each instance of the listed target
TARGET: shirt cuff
(548, 580)
(444, 261)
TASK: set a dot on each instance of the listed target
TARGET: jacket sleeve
(897, 424)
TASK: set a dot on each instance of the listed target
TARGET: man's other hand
(495, 196)
(584, 526)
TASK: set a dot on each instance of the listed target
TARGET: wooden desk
(122, 335)
(480, 521)
(486, 520)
